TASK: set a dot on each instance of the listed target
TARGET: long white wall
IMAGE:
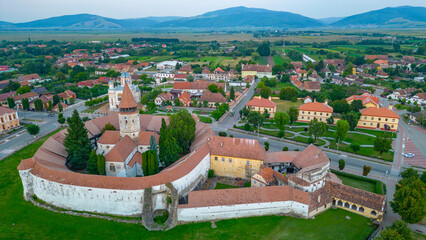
(241, 210)
(201, 170)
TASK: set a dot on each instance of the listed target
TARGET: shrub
(211, 173)
(310, 140)
(247, 127)
(285, 148)
(266, 146)
(366, 170)
(223, 134)
(281, 134)
(231, 136)
(341, 164)
(296, 150)
(294, 99)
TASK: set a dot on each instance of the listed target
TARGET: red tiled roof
(121, 151)
(257, 68)
(110, 137)
(316, 106)
(261, 102)
(29, 77)
(137, 158)
(235, 196)
(145, 137)
(378, 112)
(308, 85)
(127, 99)
(310, 156)
(280, 157)
(4, 110)
(236, 147)
(212, 97)
(25, 95)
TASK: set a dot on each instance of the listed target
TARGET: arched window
(374, 213)
(353, 207)
(112, 167)
(361, 209)
(347, 205)
(340, 203)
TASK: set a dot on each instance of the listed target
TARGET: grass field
(224, 186)
(278, 60)
(284, 105)
(364, 185)
(263, 61)
(205, 119)
(22, 220)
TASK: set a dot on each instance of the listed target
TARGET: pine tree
(92, 164)
(77, 143)
(169, 148)
(101, 164)
(145, 163)
(232, 93)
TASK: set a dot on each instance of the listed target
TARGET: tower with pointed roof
(128, 115)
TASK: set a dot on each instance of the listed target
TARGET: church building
(115, 92)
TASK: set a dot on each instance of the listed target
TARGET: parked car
(409, 155)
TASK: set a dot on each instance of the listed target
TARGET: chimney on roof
(326, 101)
(221, 144)
(315, 100)
(391, 107)
(270, 98)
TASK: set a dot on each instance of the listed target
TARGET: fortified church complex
(293, 183)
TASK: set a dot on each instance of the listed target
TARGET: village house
(196, 88)
(267, 177)
(307, 99)
(378, 118)
(259, 104)
(8, 119)
(334, 62)
(167, 65)
(185, 99)
(402, 93)
(5, 96)
(67, 95)
(375, 57)
(31, 78)
(382, 63)
(297, 64)
(314, 110)
(219, 75)
(420, 98)
(187, 69)
(87, 83)
(30, 96)
(212, 98)
(312, 86)
(256, 70)
(162, 98)
(367, 99)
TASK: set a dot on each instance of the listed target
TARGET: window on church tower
(112, 167)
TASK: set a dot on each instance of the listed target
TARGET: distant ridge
(235, 18)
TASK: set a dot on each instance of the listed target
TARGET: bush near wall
(96, 101)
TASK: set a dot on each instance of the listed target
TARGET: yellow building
(8, 119)
(259, 104)
(378, 118)
(312, 110)
(367, 100)
(235, 157)
(256, 70)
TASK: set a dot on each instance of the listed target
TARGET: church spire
(127, 103)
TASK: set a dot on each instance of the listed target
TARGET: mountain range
(234, 18)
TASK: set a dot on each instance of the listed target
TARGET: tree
(177, 102)
(55, 99)
(60, 107)
(255, 118)
(330, 120)
(352, 118)
(149, 163)
(281, 119)
(341, 164)
(154, 147)
(23, 89)
(285, 78)
(355, 147)
(182, 127)
(101, 164)
(247, 127)
(50, 105)
(189, 78)
(25, 104)
(11, 103)
(213, 88)
(72, 101)
(169, 148)
(77, 143)
(340, 106)
(383, 143)
(33, 129)
(342, 128)
(287, 93)
(366, 170)
(264, 49)
(38, 105)
(265, 92)
(266, 146)
(410, 173)
(60, 76)
(389, 234)
(408, 202)
(108, 127)
(317, 128)
(255, 56)
(293, 112)
(232, 93)
(92, 163)
(402, 229)
(356, 105)
(61, 118)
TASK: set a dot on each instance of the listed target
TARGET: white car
(409, 155)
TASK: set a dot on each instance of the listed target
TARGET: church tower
(125, 78)
(128, 115)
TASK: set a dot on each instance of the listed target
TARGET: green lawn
(22, 220)
(278, 60)
(205, 119)
(284, 105)
(263, 61)
(367, 184)
(224, 186)
(305, 140)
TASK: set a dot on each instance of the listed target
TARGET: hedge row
(96, 101)
(379, 184)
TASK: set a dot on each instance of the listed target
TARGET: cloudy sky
(28, 10)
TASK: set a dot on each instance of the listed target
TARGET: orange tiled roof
(121, 151)
(127, 99)
(212, 97)
(4, 110)
(316, 106)
(236, 147)
(110, 137)
(261, 102)
(379, 112)
(145, 137)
